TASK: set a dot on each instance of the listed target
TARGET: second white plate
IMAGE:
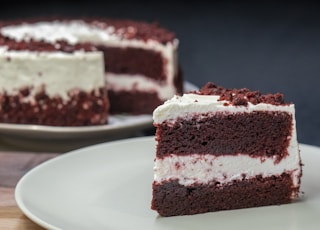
(108, 186)
(62, 139)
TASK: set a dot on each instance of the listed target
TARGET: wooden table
(19, 156)
(13, 165)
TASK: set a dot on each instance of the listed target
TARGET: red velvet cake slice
(223, 149)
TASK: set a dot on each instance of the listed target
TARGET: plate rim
(146, 119)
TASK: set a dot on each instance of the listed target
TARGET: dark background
(271, 46)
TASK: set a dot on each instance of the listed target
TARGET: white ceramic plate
(61, 139)
(108, 186)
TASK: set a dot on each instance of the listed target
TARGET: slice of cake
(57, 71)
(222, 149)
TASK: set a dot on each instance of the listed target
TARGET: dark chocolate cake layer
(82, 109)
(256, 134)
(133, 102)
(173, 199)
(134, 61)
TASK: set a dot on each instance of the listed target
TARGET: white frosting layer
(58, 72)
(118, 82)
(187, 105)
(206, 168)
(223, 169)
(73, 32)
(77, 31)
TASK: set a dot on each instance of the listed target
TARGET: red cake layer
(134, 61)
(134, 102)
(255, 134)
(172, 199)
(82, 109)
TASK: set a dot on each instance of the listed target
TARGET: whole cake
(72, 72)
(223, 149)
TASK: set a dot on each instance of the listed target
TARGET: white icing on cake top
(187, 105)
(73, 32)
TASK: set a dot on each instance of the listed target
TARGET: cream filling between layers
(203, 169)
(119, 82)
(77, 31)
(58, 72)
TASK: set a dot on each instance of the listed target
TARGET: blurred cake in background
(75, 72)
